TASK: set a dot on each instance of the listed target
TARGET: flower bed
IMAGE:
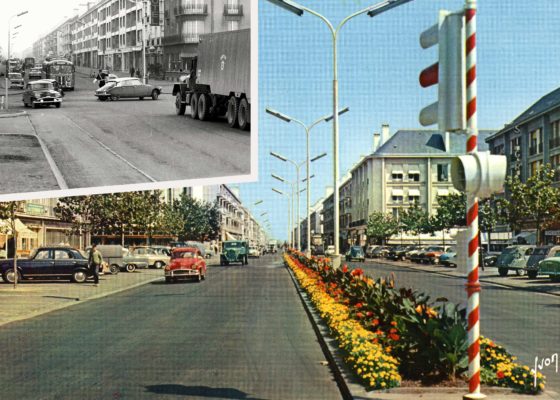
(389, 333)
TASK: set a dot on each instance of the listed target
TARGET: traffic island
(388, 338)
(12, 114)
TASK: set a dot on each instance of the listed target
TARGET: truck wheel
(532, 274)
(502, 271)
(179, 105)
(232, 110)
(203, 107)
(194, 106)
(243, 115)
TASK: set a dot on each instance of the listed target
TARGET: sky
(42, 17)
(379, 62)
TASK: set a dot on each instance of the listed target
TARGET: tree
(149, 213)
(201, 220)
(415, 220)
(536, 200)
(8, 212)
(381, 226)
(83, 212)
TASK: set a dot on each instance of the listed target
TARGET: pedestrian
(100, 78)
(132, 72)
(94, 262)
(138, 73)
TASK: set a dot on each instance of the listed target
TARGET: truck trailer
(219, 79)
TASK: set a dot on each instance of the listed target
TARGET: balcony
(233, 11)
(180, 39)
(195, 9)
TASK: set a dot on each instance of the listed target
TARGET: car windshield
(109, 85)
(509, 250)
(61, 69)
(541, 251)
(14, 76)
(183, 254)
(233, 245)
(42, 86)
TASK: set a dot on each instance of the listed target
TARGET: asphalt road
(241, 334)
(526, 323)
(129, 141)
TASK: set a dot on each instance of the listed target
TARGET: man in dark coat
(132, 72)
(94, 261)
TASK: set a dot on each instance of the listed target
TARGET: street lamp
(372, 12)
(6, 102)
(144, 8)
(289, 238)
(287, 118)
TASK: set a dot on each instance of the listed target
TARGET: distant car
(369, 250)
(539, 254)
(41, 93)
(186, 263)
(398, 252)
(154, 258)
(35, 74)
(432, 255)
(514, 258)
(48, 262)
(380, 252)
(118, 258)
(254, 251)
(121, 88)
(318, 250)
(330, 250)
(448, 259)
(550, 267)
(16, 80)
(56, 86)
(234, 251)
(355, 253)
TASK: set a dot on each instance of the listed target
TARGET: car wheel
(204, 276)
(58, 105)
(101, 98)
(141, 98)
(203, 107)
(502, 271)
(520, 272)
(35, 105)
(194, 106)
(155, 94)
(9, 276)
(130, 268)
(114, 98)
(243, 116)
(79, 276)
(232, 110)
(159, 265)
(199, 277)
(168, 279)
(114, 269)
(180, 107)
(532, 274)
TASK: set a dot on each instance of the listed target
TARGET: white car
(254, 251)
(330, 250)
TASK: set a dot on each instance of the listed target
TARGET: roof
(548, 102)
(428, 142)
(124, 79)
(41, 81)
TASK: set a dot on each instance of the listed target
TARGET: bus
(28, 63)
(63, 71)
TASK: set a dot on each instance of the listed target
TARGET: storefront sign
(34, 209)
(552, 233)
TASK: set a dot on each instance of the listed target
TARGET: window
(397, 199)
(414, 176)
(233, 25)
(43, 255)
(535, 146)
(397, 176)
(555, 137)
(534, 167)
(443, 172)
(395, 213)
(62, 255)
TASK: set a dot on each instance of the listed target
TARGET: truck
(272, 246)
(219, 80)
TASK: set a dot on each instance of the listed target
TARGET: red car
(186, 263)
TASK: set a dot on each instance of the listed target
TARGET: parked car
(539, 254)
(355, 253)
(318, 250)
(550, 267)
(234, 251)
(432, 255)
(380, 252)
(514, 258)
(399, 252)
(330, 250)
(254, 251)
(41, 93)
(448, 259)
(369, 250)
(186, 263)
(190, 243)
(48, 262)
(417, 255)
(121, 88)
(119, 258)
(154, 259)
(16, 80)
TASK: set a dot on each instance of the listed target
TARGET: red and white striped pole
(473, 285)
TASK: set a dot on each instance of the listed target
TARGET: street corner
(23, 163)
(12, 114)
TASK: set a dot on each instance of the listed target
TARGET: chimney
(376, 139)
(385, 134)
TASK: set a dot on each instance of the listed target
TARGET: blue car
(355, 253)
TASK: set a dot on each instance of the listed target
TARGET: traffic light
(480, 174)
(449, 112)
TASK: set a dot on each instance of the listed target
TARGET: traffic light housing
(480, 174)
(449, 112)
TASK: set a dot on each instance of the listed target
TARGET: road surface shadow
(201, 391)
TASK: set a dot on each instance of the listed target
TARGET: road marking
(107, 148)
(61, 182)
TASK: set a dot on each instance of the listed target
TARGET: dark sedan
(121, 88)
(41, 93)
(399, 252)
(48, 262)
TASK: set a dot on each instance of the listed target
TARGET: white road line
(54, 168)
(107, 148)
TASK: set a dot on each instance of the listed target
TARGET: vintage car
(56, 86)
(330, 250)
(448, 259)
(51, 262)
(41, 93)
(433, 254)
(186, 263)
(398, 252)
(16, 80)
(190, 243)
(254, 251)
(121, 88)
(234, 251)
(119, 258)
(514, 258)
(35, 74)
(539, 254)
(317, 250)
(370, 249)
(380, 252)
(355, 253)
(154, 258)
(551, 267)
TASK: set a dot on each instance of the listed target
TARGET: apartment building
(186, 20)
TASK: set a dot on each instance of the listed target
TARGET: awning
(413, 192)
(414, 172)
(22, 230)
(397, 172)
(397, 192)
(443, 192)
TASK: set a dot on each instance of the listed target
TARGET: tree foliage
(381, 227)
(415, 220)
(200, 220)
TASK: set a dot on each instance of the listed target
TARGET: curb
(78, 301)
(505, 285)
(344, 377)
(14, 115)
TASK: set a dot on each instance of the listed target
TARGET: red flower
(500, 374)
(369, 314)
(394, 336)
(345, 269)
(393, 330)
(359, 305)
(375, 322)
(357, 272)
(360, 315)
(394, 323)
